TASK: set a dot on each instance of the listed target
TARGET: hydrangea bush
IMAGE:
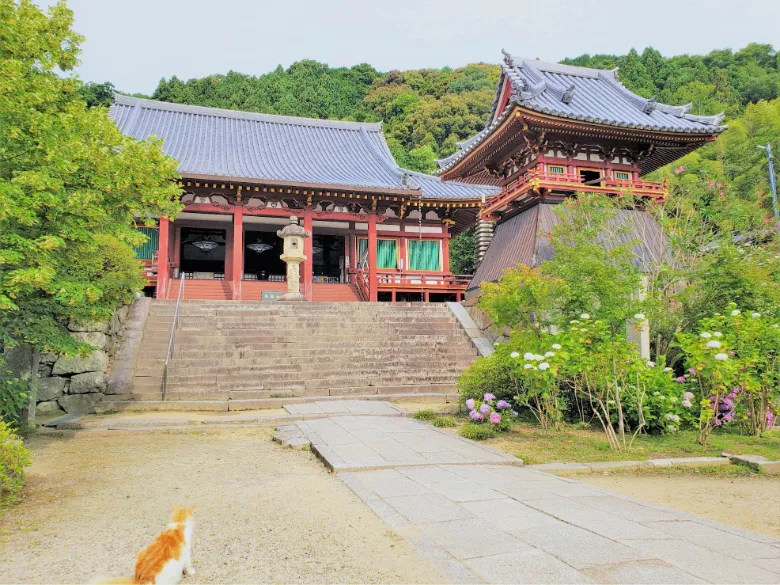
(540, 391)
(490, 411)
(732, 371)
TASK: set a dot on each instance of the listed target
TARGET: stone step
(256, 404)
(193, 368)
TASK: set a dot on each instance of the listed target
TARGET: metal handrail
(174, 325)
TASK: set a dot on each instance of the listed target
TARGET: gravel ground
(744, 502)
(263, 513)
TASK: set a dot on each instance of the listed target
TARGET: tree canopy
(71, 187)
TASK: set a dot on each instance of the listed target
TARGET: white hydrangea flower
(528, 355)
(755, 315)
(538, 357)
(558, 345)
(718, 334)
(735, 312)
(713, 344)
(544, 366)
(667, 369)
(514, 354)
(650, 364)
(671, 428)
(528, 366)
(585, 316)
(705, 335)
(721, 357)
(549, 354)
(639, 316)
(574, 322)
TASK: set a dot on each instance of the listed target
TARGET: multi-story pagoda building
(556, 130)
(379, 232)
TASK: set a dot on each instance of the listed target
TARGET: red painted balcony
(536, 182)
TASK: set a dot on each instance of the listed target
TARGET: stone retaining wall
(75, 384)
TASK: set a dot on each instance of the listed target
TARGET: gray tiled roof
(246, 145)
(582, 93)
(524, 239)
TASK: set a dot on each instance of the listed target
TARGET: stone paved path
(478, 518)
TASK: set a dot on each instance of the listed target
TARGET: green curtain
(386, 256)
(423, 255)
(147, 250)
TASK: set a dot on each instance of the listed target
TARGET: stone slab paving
(481, 519)
(355, 407)
(352, 443)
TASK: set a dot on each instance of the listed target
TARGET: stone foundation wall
(75, 384)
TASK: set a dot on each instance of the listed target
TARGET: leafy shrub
(733, 370)
(13, 394)
(425, 414)
(477, 432)
(443, 421)
(488, 375)
(13, 459)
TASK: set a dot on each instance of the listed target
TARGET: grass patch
(577, 444)
(444, 421)
(476, 432)
(683, 470)
(425, 414)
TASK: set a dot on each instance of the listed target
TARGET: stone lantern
(293, 236)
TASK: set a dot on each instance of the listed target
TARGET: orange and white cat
(170, 555)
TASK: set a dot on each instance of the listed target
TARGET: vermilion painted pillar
(445, 249)
(237, 251)
(162, 258)
(308, 246)
(372, 279)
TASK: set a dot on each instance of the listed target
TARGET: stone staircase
(233, 355)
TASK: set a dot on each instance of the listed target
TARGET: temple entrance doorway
(203, 253)
(261, 256)
(328, 252)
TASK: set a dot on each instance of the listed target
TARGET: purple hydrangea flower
(476, 416)
(484, 409)
(502, 405)
(470, 404)
(495, 418)
(489, 398)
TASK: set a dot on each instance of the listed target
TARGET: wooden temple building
(380, 232)
(556, 130)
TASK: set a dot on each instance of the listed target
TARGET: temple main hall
(380, 232)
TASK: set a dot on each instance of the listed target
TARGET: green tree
(71, 186)
(98, 94)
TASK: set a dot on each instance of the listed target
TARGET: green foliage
(444, 421)
(425, 414)
(463, 252)
(476, 432)
(14, 392)
(488, 375)
(13, 459)
(98, 94)
(70, 187)
(733, 367)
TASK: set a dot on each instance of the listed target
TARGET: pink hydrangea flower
(688, 395)
(681, 379)
(495, 418)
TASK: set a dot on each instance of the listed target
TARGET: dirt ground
(745, 502)
(263, 513)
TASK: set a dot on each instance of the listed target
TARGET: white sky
(134, 43)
